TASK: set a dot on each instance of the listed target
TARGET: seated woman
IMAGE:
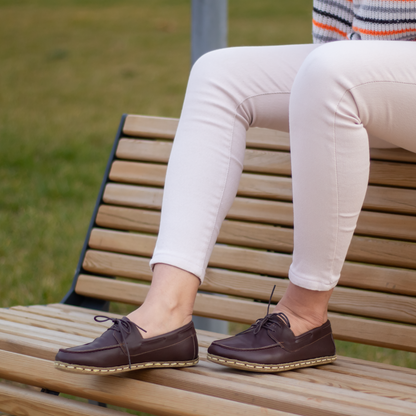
(337, 99)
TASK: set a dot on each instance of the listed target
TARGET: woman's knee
(213, 65)
(326, 66)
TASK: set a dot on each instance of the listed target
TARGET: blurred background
(68, 70)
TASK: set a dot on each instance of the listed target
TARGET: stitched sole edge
(82, 369)
(270, 368)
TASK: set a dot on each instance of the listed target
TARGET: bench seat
(31, 336)
(374, 303)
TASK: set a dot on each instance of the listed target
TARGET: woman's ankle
(169, 302)
(306, 309)
(156, 320)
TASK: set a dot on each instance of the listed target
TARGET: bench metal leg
(47, 391)
(94, 402)
(56, 393)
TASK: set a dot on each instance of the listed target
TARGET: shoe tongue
(128, 329)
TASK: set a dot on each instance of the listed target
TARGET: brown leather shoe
(270, 346)
(122, 348)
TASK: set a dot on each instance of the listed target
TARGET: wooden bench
(375, 302)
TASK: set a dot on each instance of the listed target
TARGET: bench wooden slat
(345, 300)
(275, 264)
(382, 279)
(404, 375)
(265, 161)
(368, 380)
(274, 212)
(45, 349)
(370, 223)
(153, 127)
(405, 381)
(144, 150)
(379, 251)
(326, 400)
(133, 196)
(254, 185)
(296, 381)
(45, 322)
(14, 400)
(384, 199)
(345, 328)
(394, 155)
(38, 333)
(160, 127)
(362, 249)
(371, 385)
(379, 224)
(384, 390)
(393, 174)
(46, 312)
(165, 128)
(119, 390)
(271, 187)
(137, 172)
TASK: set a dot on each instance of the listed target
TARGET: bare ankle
(169, 302)
(306, 309)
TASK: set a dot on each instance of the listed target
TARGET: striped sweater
(364, 19)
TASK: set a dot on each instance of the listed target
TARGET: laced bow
(121, 326)
(266, 322)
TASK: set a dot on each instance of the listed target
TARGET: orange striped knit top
(364, 19)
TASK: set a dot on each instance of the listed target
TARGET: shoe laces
(267, 322)
(122, 326)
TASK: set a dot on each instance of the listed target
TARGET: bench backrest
(375, 301)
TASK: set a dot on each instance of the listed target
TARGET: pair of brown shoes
(268, 345)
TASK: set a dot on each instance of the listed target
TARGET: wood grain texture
(296, 398)
(393, 174)
(266, 161)
(46, 322)
(118, 391)
(269, 188)
(237, 233)
(160, 127)
(165, 128)
(147, 126)
(394, 155)
(344, 300)
(17, 401)
(133, 196)
(301, 382)
(374, 224)
(390, 280)
(385, 252)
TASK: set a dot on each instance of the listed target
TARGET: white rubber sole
(82, 369)
(270, 368)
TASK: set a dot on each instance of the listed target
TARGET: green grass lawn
(69, 70)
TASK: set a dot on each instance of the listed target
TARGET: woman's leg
(229, 90)
(344, 94)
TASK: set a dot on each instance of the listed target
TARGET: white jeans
(334, 97)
